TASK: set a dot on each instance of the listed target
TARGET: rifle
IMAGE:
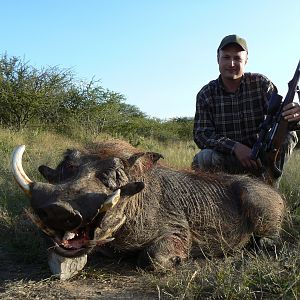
(274, 128)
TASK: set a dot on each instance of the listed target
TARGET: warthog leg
(166, 253)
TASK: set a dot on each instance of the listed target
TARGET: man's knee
(207, 159)
(290, 143)
(287, 148)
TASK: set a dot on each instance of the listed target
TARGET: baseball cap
(233, 39)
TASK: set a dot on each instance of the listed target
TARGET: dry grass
(267, 275)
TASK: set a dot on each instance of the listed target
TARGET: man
(229, 111)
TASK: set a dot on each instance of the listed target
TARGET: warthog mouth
(80, 240)
(76, 242)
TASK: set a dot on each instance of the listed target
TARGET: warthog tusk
(109, 232)
(111, 201)
(17, 169)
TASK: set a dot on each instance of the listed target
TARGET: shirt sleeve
(204, 129)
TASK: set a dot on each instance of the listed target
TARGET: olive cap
(233, 39)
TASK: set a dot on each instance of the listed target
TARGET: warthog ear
(63, 171)
(133, 158)
(48, 173)
(154, 156)
(150, 158)
(66, 169)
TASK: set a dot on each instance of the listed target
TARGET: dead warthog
(113, 193)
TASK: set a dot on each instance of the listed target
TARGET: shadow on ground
(102, 278)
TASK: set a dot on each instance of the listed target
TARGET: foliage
(52, 99)
(27, 93)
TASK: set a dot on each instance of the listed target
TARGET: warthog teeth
(69, 235)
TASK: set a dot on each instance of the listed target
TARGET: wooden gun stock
(272, 156)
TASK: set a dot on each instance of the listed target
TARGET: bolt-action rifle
(274, 128)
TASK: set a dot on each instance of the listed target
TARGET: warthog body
(170, 215)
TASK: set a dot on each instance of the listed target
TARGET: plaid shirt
(224, 118)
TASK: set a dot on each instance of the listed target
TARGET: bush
(52, 99)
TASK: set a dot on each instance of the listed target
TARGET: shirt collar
(221, 84)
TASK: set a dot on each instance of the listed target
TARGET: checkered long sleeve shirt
(223, 118)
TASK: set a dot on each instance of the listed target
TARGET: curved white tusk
(111, 201)
(16, 163)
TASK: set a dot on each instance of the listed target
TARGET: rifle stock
(272, 155)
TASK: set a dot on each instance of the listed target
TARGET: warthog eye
(68, 170)
(70, 167)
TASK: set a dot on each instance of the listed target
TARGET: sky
(157, 53)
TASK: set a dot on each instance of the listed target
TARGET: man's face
(232, 61)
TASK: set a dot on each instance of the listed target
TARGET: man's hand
(242, 153)
(291, 112)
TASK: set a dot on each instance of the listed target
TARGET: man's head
(232, 57)
(233, 39)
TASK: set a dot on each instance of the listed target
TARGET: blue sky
(157, 53)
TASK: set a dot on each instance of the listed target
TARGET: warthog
(113, 193)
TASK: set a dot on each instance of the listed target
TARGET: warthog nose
(60, 216)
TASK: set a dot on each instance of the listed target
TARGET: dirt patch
(102, 279)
